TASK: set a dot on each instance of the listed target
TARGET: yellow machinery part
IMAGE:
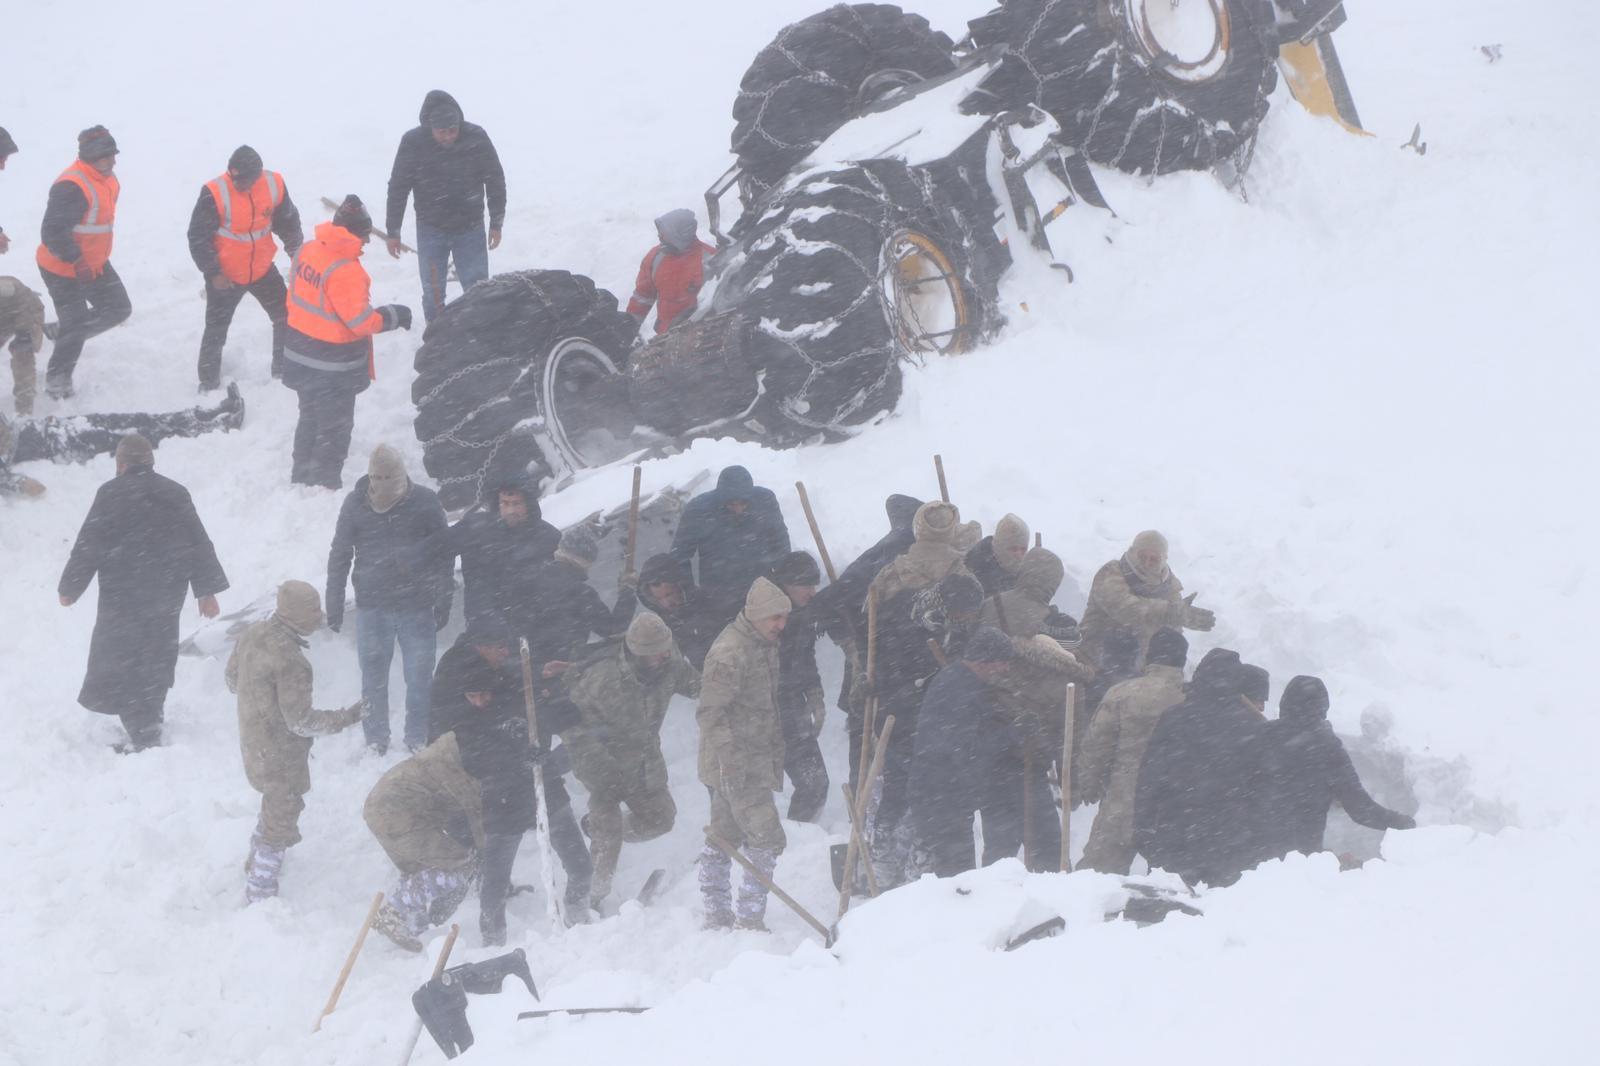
(1317, 81)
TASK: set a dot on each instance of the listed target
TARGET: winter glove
(82, 270)
(395, 316)
(1188, 616)
(817, 708)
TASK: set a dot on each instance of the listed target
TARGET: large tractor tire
(849, 274)
(523, 376)
(821, 72)
(1146, 86)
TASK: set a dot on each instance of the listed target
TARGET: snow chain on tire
(482, 409)
(1102, 69)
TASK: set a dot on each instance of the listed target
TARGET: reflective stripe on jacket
(93, 233)
(673, 279)
(328, 302)
(244, 242)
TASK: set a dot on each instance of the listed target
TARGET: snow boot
(716, 888)
(751, 906)
(261, 871)
(233, 408)
(393, 925)
(751, 925)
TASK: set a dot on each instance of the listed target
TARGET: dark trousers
(84, 309)
(327, 418)
(78, 438)
(1006, 818)
(143, 720)
(802, 761)
(896, 761)
(500, 853)
(270, 293)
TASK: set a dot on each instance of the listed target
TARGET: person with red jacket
(231, 241)
(672, 272)
(74, 255)
(327, 358)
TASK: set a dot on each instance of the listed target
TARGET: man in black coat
(733, 534)
(451, 166)
(1305, 770)
(960, 739)
(393, 532)
(562, 610)
(1193, 808)
(144, 540)
(502, 543)
(801, 706)
(666, 588)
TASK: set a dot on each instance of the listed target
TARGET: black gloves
(395, 316)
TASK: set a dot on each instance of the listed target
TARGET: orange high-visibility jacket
(244, 226)
(329, 289)
(93, 233)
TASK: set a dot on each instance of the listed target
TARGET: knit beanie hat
(135, 450)
(1168, 647)
(648, 635)
(796, 568)
(1255, 684)
(936, 521)
(1010, 540)
(488, 627)
(300, 607)
(245, 162)
(387, 482)
(579, 546)
(765, 600)
(96, 142)
(352, 215)
(989, 645)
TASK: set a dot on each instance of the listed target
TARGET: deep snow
(1359, 404)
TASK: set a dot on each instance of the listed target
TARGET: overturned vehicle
(886, 175)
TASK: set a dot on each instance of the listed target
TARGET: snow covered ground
(1360, 404)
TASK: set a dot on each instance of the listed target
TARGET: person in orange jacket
(231, 241)
(327, 357)
(672, 272)
(74, 255)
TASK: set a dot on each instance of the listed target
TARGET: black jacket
(400, 560)
(562, 610)
(498, 562)
(203, 230)
(62, 211)
(841, 606)
(450, 182)
(695, 624)
(145, 542)
(1305, 769)
(987, 569)
(960, 740)
(733, 550)
(797, 674)
(1194, 803)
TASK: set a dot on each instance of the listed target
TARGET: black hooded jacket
(841, 607)
(696, 623)
(733, 549)
(498, 561)
(1305, 769)
(450, 182)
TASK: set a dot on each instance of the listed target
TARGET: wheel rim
(922, 295)
(588, 418)
(1189, 40)
(882, 84)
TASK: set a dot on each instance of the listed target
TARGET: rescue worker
(269, 672)
(622, 691)
(801, 705)
(427, 815)
(74, 255)
(22, 323)
(563, 609)
(996, 559)
(666, 588)
(1108, 760)
(144, 541)
(672, 273)
(1138, 594)
(731, 535)
(231, 234)
(741, 757)
(328, 352)
(502, 542)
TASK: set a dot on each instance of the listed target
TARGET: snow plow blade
(1310, 65)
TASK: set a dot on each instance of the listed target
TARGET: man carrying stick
(741, 757)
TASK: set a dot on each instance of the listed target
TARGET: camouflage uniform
(1125, 602)
(616, 751)
(1108, 762)
(22, 323)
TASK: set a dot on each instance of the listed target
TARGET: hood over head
(734, 483)
(1010, 533)
(902, 510)
(796, 568)
(439, 111)
(300, 607)
(1304, 700)
(936, 522)
(1040, 574)
(1218, 674)
(677, 229)
(387, 482)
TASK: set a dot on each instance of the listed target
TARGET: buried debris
(441, 1003)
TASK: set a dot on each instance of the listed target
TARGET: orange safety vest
(244, 226)
(93, 232)
(329, 301)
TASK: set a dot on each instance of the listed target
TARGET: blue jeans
(435, 249)
(376, 634)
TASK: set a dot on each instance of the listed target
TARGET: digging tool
(350, 962)
(1038, 540)
(441, 1003)
(859, 835)
(1066, 777)
(438, 970)
(767, 883)
(541, 822)
(816, 533)
(376, 232)
(938, 467)
(853, 854)
(1027, 810)
(869, 710)
(633, 525)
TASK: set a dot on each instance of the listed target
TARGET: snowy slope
(1359, 404)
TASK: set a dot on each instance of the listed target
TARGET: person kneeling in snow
(428, 817)
(79, 438)
(269, 672)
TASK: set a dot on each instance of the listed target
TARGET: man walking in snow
(269, 672)
(741, 756)
(392, 531)
(328, 352)
(732, 534)
(231, 241)
(145, 542)
(672, 273)
(74, 255)
(451, 166)
(502, 543)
